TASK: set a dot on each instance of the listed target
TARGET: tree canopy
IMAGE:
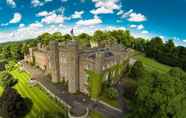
(159, 96)
(12, 105)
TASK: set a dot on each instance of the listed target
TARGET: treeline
(166, 53)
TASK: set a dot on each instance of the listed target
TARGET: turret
(99, 61)
(73, 66)
(54, 61)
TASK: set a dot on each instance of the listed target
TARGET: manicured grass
(151, 64)
(41, 101)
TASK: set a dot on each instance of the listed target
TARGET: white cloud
(37, 3)
(144, 32)
(162, 37)
(101, 10)
(111, 28)
(89, 22)
(136, 17)
(140, 27)
(44, 13)
(4, 24)
(132, 16)
(184, 40)
(126, 14)
(53, 19)
(110, 4)
(11, 3)
(36, 25)
(21, 25)
(105, 6)
(133, 26)
(77, 14)
(16, 18)
(120, 12)
(32, 31)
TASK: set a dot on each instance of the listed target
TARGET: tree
(154, 47)
(11, 65)
(137, 70)
(100, 36)
(169, 46)
(7, 80)
(45, 38)
(111, 92)
(12, 105)
(57, 36)
(158, 96)
(84, 39)
(130, 87)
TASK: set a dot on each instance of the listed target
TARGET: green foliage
(6, 79)
(12, 105)
(158, 96)
(111, 92)
(2, 64)
(166, 53)
(95, 83)
(177, 72)
(11, 66)
(130, 87)
(137, 70)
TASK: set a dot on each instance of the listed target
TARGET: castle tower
(99, 62)
(73, 67)
(54, 61)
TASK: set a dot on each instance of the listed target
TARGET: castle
(67, 61)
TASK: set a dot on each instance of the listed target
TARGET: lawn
(41, 101)
(151, 64)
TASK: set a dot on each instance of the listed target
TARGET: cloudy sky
(22, 19)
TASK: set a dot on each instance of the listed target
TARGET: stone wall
(41, 59)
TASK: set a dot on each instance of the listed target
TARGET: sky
(24, 19)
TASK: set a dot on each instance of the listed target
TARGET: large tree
(12, 105)
(159, 96)
(137, 70)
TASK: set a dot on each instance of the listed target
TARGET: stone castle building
(68, 62)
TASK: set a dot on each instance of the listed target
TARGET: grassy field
(41, 101)
(151, 64)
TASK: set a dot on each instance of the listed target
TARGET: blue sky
(21, 19)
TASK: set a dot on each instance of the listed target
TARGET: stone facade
(67, 62)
